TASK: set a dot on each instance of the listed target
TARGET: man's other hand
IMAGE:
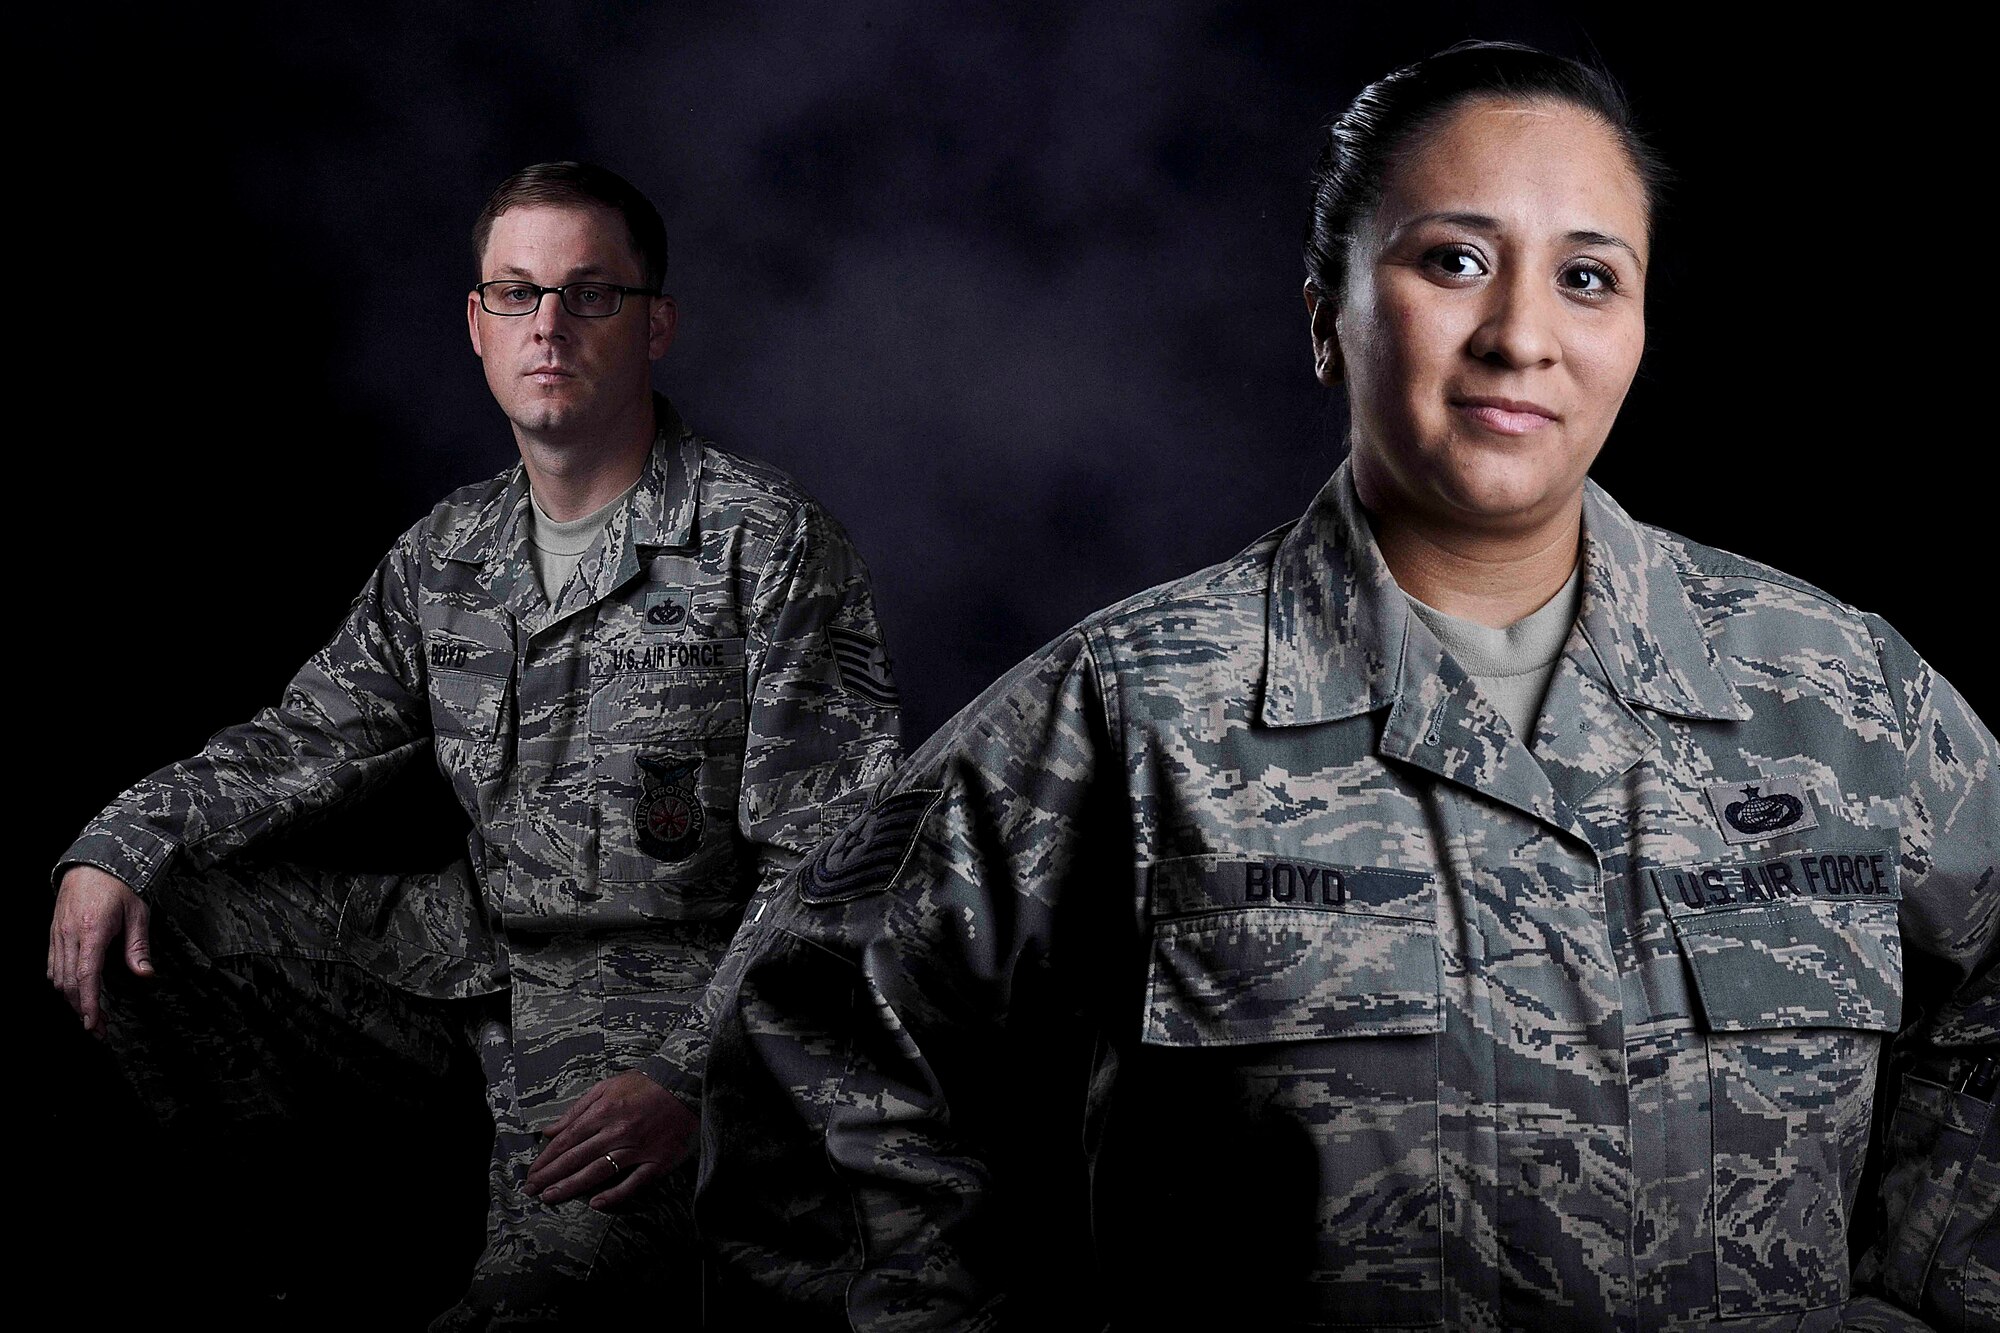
(623, 1133)
(94, 910)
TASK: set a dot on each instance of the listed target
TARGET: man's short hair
(585, 185)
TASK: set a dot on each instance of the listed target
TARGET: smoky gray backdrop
(1012, 288)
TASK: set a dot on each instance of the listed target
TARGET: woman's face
(1492, 318)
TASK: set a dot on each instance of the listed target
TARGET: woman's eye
(1589, 279)
(1455, 263)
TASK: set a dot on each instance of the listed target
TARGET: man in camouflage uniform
(1232, 964)
(640, 747)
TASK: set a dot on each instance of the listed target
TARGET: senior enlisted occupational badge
(670, 818)
(1761, 808)
(667, 610)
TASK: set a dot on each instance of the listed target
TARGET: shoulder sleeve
(823, 729)
(823, 725)
(1939, 1253)
(351, 716)
(1950, 817)
(869, 1015)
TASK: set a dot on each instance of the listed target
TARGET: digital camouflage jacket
(1230, 964)
(701, 702)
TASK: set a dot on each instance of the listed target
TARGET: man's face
(553, 373)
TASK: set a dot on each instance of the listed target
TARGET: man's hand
(93, 910)
(624, 1132)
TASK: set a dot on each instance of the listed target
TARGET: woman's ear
(1320, 313)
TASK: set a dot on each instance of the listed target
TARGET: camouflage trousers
(263, 1009)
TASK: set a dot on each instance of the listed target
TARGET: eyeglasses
(586, 300)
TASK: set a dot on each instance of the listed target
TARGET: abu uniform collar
(1641, 624)
(1337, 628)
(662, 507)
(661, 512)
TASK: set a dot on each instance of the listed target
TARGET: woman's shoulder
(1738, 600)
(1697, 561)
(1768, 623)
(1211, 602)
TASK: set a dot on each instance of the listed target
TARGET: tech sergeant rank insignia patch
(669, 815)
(865, 856)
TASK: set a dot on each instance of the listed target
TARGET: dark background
(1013, 289)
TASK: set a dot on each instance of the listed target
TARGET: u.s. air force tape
(865, 856)
(668, 654)
(1856, 874)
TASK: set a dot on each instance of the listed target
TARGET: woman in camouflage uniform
(1466, 908)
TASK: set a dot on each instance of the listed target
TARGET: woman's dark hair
(1393, 112)
(582, 185)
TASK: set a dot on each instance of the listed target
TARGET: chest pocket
(1312, 994)
(667, 748)
(1797, 965)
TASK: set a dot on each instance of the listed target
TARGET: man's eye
(588, 295)
(517, 295)
(1454, 262)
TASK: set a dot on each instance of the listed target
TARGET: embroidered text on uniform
(1804, 875)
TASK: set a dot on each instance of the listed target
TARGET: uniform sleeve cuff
(135, 855)
(674, 1079)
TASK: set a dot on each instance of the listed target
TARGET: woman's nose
(1520, 327)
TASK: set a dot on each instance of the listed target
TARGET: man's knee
(254, 1005)
(254, 908)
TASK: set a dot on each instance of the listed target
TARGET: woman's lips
(1505, 416)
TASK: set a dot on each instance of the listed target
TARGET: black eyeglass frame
(562, 296)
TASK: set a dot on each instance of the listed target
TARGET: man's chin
(544, 418)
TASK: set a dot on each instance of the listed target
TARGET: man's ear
(663, 319)
(1320, 312)
(472, 323)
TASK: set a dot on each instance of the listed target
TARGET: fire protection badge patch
(669, 815)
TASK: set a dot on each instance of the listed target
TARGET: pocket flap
(467, 703)
(665, 956)
(1806, 940)
(645, 705)
(1231, 978)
